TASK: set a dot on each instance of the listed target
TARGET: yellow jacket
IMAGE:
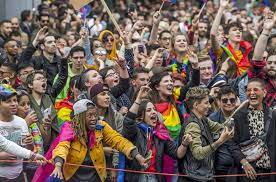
(75, 152)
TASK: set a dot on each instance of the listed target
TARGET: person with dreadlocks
(81, 143)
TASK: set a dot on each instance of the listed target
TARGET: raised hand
(270, 21)
(144, 92)
(137, 26)
(224, 3)
(126, 38)
(226, 135)
(193, 59)
(41, 34)
(156, 17)
(31, 118)
(122, 63)
(83, 33)
(159, 52)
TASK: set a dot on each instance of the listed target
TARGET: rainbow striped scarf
(171, 118)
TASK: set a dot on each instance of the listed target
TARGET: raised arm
(130, 125)
(269, 23)
(27, 54)
(195, 80)
(124, 84)
(216, 23)
(154, 30)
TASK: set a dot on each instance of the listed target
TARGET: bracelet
(137, 103)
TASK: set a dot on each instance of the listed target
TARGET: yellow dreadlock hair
(78, 123)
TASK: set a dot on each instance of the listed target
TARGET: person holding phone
(143, 127)
(224, 160)
(198, 162)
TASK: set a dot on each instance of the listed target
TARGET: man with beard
(202, 29)
(48, 61)
(235, 48)
(266, 69)
(5, 31)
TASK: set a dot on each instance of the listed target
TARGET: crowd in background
(181, 87)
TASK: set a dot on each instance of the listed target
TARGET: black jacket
(223, 157)
(198, 170)
(42, 63)
(139, 139)
(242, 133)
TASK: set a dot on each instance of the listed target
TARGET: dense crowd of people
(185, 88)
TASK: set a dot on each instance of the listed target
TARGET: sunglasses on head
(98, 52)
(225, 100)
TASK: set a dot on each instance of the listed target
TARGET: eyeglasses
(225, 100)
(100, 53)
(111, 74)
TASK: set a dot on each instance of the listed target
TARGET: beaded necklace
(183, 69)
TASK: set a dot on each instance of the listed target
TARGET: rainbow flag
(171, 1)
(64, 109)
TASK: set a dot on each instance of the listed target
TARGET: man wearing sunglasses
(223, 158)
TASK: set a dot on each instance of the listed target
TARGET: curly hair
(196, 94)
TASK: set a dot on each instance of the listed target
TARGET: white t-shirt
(13, 131)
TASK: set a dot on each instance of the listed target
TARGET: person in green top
(75, 67)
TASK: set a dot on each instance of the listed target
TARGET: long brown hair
(154, 94)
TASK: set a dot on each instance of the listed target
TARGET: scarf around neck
(240, 57)
(171, 118)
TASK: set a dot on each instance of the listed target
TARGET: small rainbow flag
(171, 1)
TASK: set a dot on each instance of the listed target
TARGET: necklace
(180, 68)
